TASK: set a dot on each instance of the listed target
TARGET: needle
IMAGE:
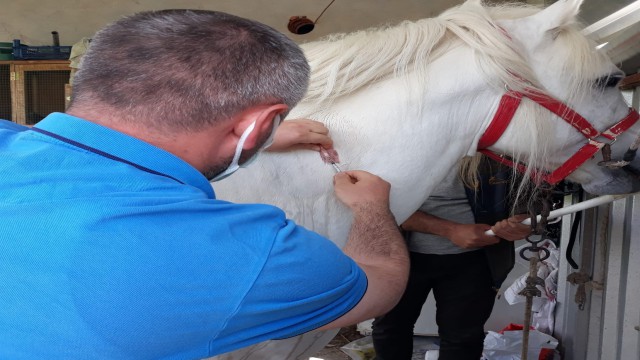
(330, 157)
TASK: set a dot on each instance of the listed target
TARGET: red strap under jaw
(509, 104)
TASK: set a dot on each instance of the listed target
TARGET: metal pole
(600, 200)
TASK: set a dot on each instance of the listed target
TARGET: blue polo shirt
(111, 248)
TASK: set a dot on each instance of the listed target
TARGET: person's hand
(511, 229)
(360, 190)
(470, 236)
(301, 134)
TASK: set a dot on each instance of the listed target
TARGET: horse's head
(566, 65)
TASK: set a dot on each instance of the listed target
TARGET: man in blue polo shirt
(114, 245)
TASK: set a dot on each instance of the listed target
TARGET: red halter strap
(509, 104)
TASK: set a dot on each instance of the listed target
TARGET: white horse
(407, 102)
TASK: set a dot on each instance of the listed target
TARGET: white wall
(32, 21)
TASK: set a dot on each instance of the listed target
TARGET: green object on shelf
(6, 51)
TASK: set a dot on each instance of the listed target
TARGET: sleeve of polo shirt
(306, 282)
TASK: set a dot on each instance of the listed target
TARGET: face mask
(234, 166)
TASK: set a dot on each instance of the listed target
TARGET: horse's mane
(344, 63)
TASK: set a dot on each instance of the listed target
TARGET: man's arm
(466, 236)
(374, 243)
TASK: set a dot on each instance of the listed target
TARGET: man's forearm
(377, 245)
(374, 237)
(466, 236)
(429, 224)
(374, 243)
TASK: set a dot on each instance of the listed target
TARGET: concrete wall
(32, 21)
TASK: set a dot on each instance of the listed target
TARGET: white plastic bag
(432, 355)
(508, 345)
(543, 307)
(361, 349)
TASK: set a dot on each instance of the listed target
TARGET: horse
(407, 101)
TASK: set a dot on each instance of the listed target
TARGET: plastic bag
(507, 345)
(543, 307)
(361, 349)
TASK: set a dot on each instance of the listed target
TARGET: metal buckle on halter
(630, 154)
(605, 148)
(598, 144)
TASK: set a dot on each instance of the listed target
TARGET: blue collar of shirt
(125, 147)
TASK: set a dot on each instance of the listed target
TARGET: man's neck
(199, 148)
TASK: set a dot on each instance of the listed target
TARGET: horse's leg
(299, 347)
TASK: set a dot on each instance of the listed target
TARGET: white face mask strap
(236, 157)
(243, 138)
(276, 122)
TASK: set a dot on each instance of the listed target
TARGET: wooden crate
(37, 89)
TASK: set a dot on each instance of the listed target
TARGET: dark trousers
(462, 288)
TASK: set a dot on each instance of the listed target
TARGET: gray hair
(187, 69)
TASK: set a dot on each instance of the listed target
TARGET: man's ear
(263, 116)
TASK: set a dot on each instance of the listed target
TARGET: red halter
(507, 108)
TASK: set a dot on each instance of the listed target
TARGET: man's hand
(301, 134)
(471, 236)
(360, 190)
(511, 229)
